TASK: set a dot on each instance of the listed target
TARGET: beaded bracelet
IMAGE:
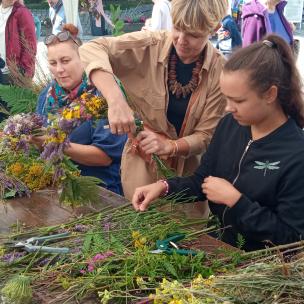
(167, 187)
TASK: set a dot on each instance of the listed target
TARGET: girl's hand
(151, 142)
(220, 191)
(143, 196)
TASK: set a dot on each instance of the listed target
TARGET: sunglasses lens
(49, 39)
(63, 36)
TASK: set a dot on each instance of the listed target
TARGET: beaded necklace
(176, 87)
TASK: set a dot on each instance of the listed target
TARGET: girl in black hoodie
(253, 171)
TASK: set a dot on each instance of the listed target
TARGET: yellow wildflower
(16, 169)
(67, 114)
(105, 296)
(65, 283)
(176, 301)
(36, 178)
(135, 234)
(139, 240)
(35, 170)
(2, 251)
(141, 283)
(209, 281)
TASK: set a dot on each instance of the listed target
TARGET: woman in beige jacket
(172, 80)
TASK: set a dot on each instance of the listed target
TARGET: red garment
(20, 39)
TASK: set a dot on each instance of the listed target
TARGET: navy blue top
(177, 107)
(93, 133)
(278, 27)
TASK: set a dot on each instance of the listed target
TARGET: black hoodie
(269, 173)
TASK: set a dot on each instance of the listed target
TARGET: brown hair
(271, 62)
(71, 28)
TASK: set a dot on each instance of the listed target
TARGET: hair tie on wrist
(167, 187)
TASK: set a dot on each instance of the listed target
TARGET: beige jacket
(140, 61)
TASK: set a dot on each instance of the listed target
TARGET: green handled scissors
(169, 246)
(34, 244)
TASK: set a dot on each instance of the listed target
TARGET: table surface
(43, 209)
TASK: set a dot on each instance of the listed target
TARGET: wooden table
(43, 209)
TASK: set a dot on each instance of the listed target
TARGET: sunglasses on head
(62, 36)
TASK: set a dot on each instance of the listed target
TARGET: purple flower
(59, 172)
(90, 268)
(11, 257)
(67, 125)
(107, 227)
(44, 262)
(11, 183)
(102, 256)
(80, 228)
(97, 258)
(23, 124)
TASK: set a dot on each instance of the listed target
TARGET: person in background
(2, 65)
(172, 80)
(161, 16)
(37, 23)
(229, 36)
(262, 17)
(18, 44)
(37, 27)
(58, 17)
(236, 12)
(93, 148)
(252, 173)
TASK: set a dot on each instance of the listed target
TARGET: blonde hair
(198, 15)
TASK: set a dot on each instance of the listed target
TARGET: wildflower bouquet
(32, 169)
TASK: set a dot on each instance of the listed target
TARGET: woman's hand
(220, 191)
(121, 118)
(151, 142)
(143, 196)
(37, 140)
(120, 115)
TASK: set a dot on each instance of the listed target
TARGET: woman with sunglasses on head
(172, 80)
(253, 171)
(92, 147)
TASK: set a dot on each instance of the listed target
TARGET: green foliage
(118, 23)
(18, 290)
(240, 242)
(18, 100)
(162, 168)
(79, 190)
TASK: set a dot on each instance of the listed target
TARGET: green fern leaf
(18, 100)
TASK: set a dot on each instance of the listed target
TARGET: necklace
(176, 87)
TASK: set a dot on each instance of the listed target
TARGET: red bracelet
(167, 187)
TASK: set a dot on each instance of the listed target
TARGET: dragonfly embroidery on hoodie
(266, 166)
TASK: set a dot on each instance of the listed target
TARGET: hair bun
(71, 28)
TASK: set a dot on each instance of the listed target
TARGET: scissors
(34, 244)
(169, 246)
